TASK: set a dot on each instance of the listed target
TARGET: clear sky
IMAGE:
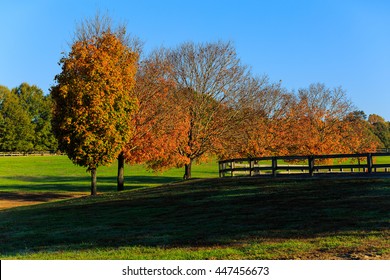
(336, 42)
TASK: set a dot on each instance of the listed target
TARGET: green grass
(239, 218)
(58, 174)
(244, 218)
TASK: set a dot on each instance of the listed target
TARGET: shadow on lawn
(199, 213)
(36, 197)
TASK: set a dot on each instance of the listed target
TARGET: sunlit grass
(59, 174)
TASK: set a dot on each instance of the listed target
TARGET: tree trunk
(121, 168)
(187, 170)
(93, 181)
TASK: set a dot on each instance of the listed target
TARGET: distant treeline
(25, 120)
(381, 129)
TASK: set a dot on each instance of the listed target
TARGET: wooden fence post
(274, 166)
(311, 165)
(369, 163)
(251, 166)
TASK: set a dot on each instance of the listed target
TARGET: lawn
(228, 218)
(57, 173)
(36, 179)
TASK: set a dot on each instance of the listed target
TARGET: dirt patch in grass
(15, 199)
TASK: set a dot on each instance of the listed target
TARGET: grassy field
(57, 173)
(228, 218)
(36, 179)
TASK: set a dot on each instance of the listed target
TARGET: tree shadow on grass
(202, 213)
(36, 197)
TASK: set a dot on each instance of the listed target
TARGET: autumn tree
(374, 118)
(155, 130)
(206, 78)
(262, 125)
(93, 101)
(319, 115)
(95, 27)
(356, 134)
(101, 23)
(318, 120)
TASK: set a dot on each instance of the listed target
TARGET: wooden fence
(311, 165)
(30, 153)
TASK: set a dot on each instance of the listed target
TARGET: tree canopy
(25, 120)
(93, 102)
(206, 77)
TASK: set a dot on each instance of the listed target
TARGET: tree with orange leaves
(262, 126)
(155, 130)
(93, 101)
(207, 79)
(319, 119)
(357, 136)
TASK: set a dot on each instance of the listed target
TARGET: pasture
(35, 179)
(162, 217)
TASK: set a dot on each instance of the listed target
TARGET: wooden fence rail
(30, 153)
(383, 150)
(354, 163)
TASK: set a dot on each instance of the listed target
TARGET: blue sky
(339, 43)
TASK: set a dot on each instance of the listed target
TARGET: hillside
(240, 218)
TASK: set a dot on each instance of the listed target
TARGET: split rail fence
(319, 164)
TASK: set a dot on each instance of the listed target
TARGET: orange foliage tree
(319, 120)
(202, 121)
(92, 101)
(155, 129)
(357, 136)
(206, 79)
(274, 122)
(262, 125)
